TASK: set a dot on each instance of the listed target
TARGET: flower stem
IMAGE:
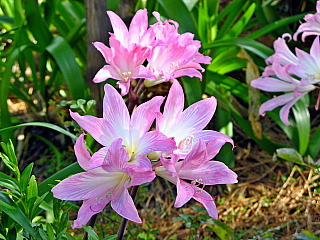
(124, 222)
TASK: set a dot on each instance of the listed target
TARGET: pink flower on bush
(198, 169)
(116, 123)
(178, 57)
(185, 127)
(311, 26)
(107, 183)
(281, 82)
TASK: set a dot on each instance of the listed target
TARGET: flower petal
(154, 141)
(82, 154)
(144, 115)
(89, 208)
(115, 111)
(206, 200)
(119, 28)
(124, 206)
(85, 185)
(184, 193)
(106, 72)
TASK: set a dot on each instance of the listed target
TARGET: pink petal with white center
(119, 28)
(284, 112)
(211, 173)
(94, 126)
(82, 154)
(116, 158)
(275, 102)
(270, 84)
(124, 206)
(184, 193)
(193, 119)
(173, 107)
(195, 158)
(114, 109)
(141, 173)
(190, 72)
(106, 72)
(97, 158)
(89, 208)
(105, 51)
(138, 25)
(282, 55)
(142, 72)
(154, 141)
(206, 200)
(169, 164)
(144, 115)
(124, 87)
(85, 185)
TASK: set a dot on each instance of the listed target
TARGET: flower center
(186, 143)
(197, 183)
(126, 76)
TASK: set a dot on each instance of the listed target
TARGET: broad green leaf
(6, 20)
(9, 207)
(306, 235)
(242, 22)
(112, 237)
(192, 89)
(302, 117)
(178, 11)
(34, 210)
(275, 25)
(50, 231)
(290, 155)
(36, 24)
(40, 124)
(253, 46)
(32, 190)
(25, 177)
(91, 233)
(314, 145)
(65, 59)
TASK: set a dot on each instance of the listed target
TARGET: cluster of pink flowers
(179, 150)
(169, 54)
(296, 74)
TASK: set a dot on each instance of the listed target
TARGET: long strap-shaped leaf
(66, 60)
(9, 207)
(253, 46)
(39, 124)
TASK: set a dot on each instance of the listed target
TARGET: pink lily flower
(124, 65)
(311, 26)
(185, 127)
(198, 168)
(281, 82)
(179, 57)
(107, 183)
(116, 123)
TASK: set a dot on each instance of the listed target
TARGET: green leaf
(32, 190)
(275, 25)
(40, 124)
(192, 89)
(314, 145)
(302, 117)
(290, 155)
(242, 22)
(64, 220)
(63, 55)
(251, 45)
(306, 235)
(178, 12)
(25, 177)
(50, 231)
(36, 205)
(6, 20)
(112, 237)
(91, 233)
(36, 24)
(9, 207)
